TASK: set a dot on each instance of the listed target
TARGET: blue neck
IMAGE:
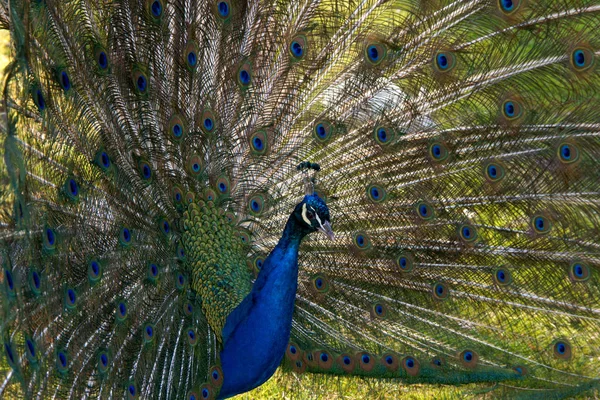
(256, 333)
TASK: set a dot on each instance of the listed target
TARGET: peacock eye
(310, 215)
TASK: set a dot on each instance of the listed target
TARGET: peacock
(196, 193)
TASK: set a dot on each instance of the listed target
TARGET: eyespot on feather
(298, 47)
(444, 61)
(582, 59)
(322, 131)
(405, 262)
(244, 75)
(259, 144)
(411, 366)
(502, 277)
(361, 241)
(562, 349)
(438, 152)
(424, 210)
(568, 153)
(390, 361)
(293, 352)
(190, 55)
(347, 362)
(468, 233)
(375, 52)
(379, 310)
(216, 376)
(383, 135)
(376, 193)
(579, 272)
(223, 9)
(541, 224)
(468, 358)
(494, 171)
(366, 361)
(440, 291)
(208, 122)
(320, 283)
(195, 166)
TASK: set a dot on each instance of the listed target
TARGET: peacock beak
(325, 228)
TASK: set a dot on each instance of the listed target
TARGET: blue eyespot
(62, 359)
(440, 291)
(373, 53)
(192, 59)
(244, 77)
(104, 160)
(50, 237)
(65, 82)
(205, 393)
(157, 9)
(255, 206)
(191, 334)
(30, 346)
(389, 360)
(9, 280)
(36, 280)
(579, 58)
(366, 359)
(296, 49)
(222, 187)
(468, 356)
(492, 171)
(146, 171)
(466, 232)
(102, 60)
(438, 151)
(208, 124)
(379, 309)
(223, 9)
(73, 188)
(360, 240)
(321, 131)
(541, 224)
(257, 143)
(177, 130)
(293, 349)
(562, 349)
(94, 268)
(132, 390)
(324, 357)
(579, 272)
(319, 283)
(215, 375)
(509, 109)
(346, 360)
(565, 152)
(507, 5)
(153, 270)
(437, 362)
(149, 331)
(382, 135)
(126, 235)
(104, 359)
(409, 362)
(442, 61)
(121, 310)
(501, 276)
(375, 193)
(141, 83)
(39, 99)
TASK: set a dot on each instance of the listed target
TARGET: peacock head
(313, 214)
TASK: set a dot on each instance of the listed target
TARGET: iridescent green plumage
(149, 165)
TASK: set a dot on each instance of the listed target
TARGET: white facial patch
(304, 217)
